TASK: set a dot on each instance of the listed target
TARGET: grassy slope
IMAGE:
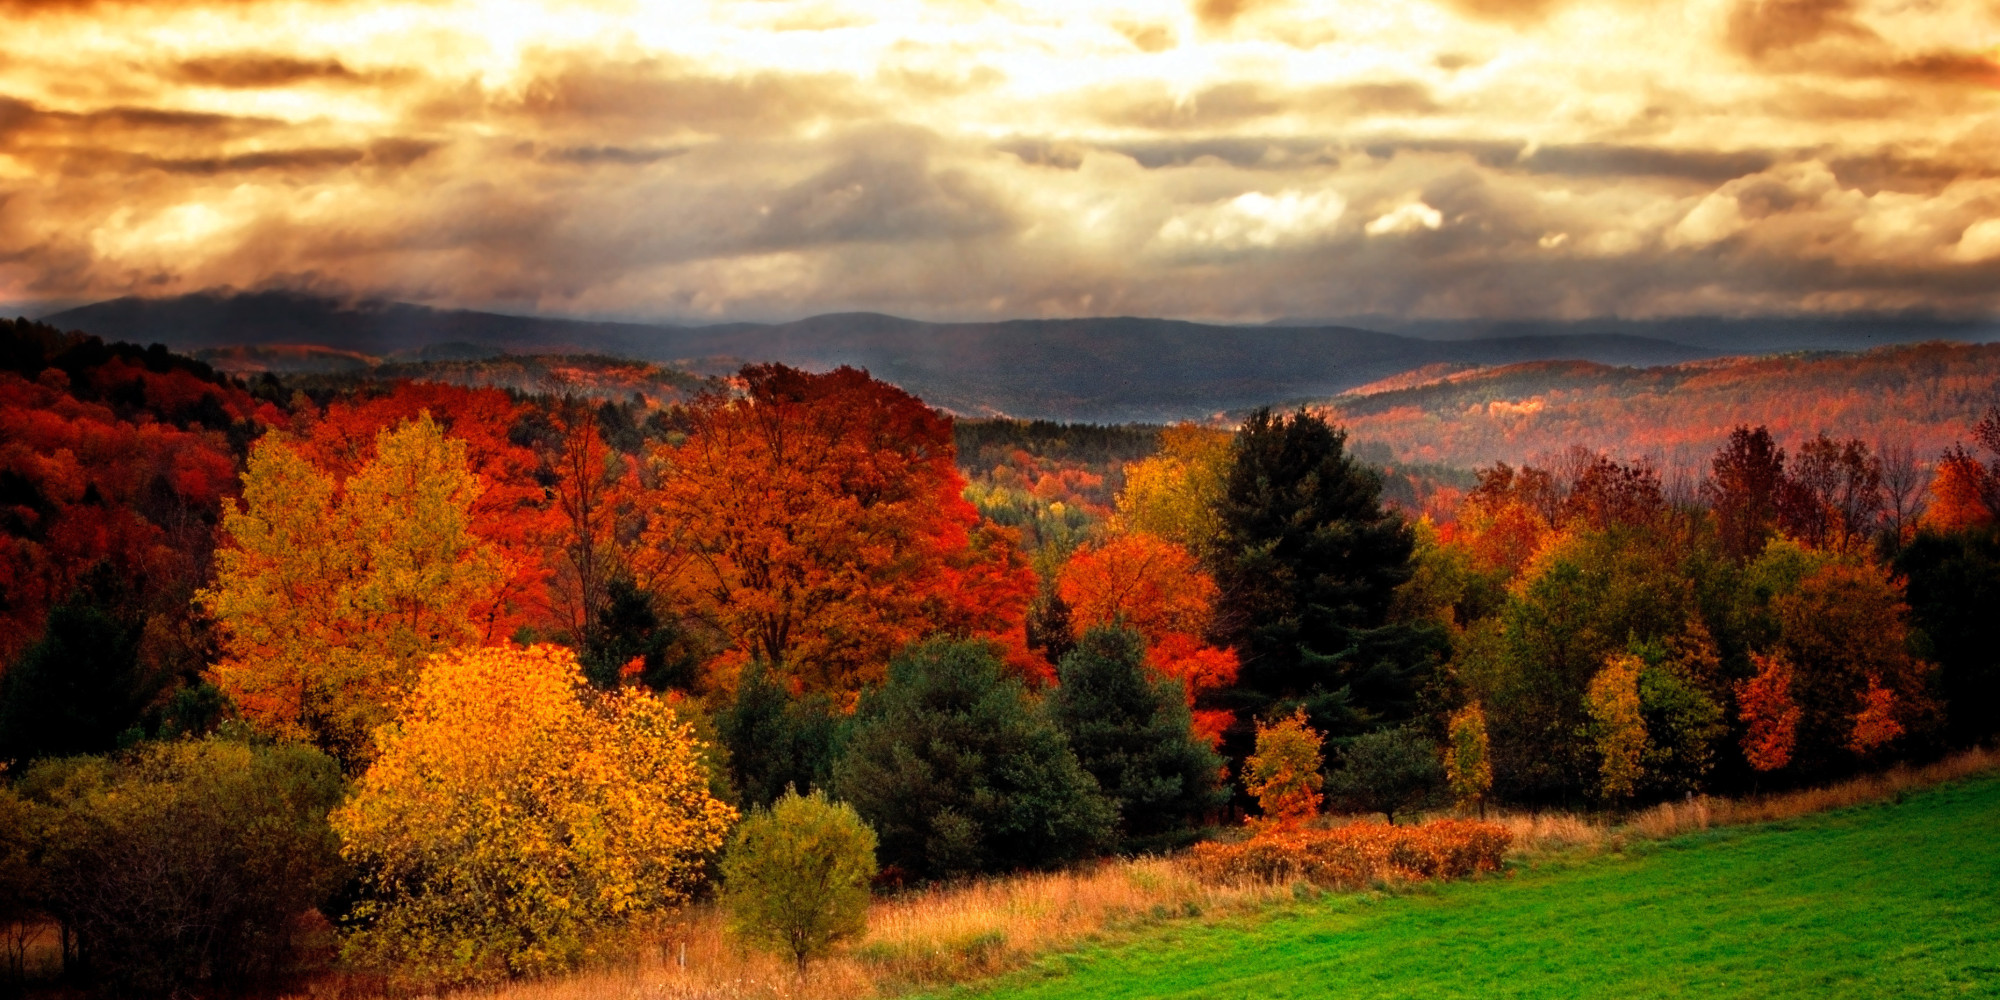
(1896, 900)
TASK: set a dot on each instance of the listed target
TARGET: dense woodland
(480, 676)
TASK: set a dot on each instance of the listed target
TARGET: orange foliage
(1159, 589)
(1770, 717)
(1875, 726)
(1284, 773)
(1355, 855)
(818, 522)
(1959, 491)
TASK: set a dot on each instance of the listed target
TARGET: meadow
(1893, 899)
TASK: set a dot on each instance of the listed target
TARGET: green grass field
(1895, 900)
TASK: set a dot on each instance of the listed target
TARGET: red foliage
(1770, 717)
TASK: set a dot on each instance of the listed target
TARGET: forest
(452, 684)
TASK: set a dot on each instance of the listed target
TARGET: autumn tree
(1746, 484)
(958, 773)
(816, 523)
(796, 876)
(1605, 493)
(1156, 587)
(1770, 716)
(1177, 494)
(511, 511)
(1467, 766)
(589, 478)
(331, 594)
(1617, 729)
(1283, 774)
(1833, 497)
(1508, 517)
(1132, 731)
(1308, 568)
(512, 813)
(1960, 491)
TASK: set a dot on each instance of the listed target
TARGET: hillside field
(1891, 900)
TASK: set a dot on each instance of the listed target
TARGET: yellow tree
(330, 595)
(1468, 768)
(513, 814)
(1176, 493)
(1284, 773)
(1618, 727)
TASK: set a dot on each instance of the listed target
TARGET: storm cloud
(1210, 159)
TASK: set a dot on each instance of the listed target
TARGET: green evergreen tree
(77, 689)
(1134, 734)
(958, 772)
(1309, 562)
(775, 740)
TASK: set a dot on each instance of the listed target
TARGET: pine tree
(1134, 734)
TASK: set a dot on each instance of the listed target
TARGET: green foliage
(796, 876)
(777, 740)
(1684, 725)
(629, 628)
(1134, 734)
(79, 687)
(183, 865)
(1387, 771)
(959, 773)
(1309, 563)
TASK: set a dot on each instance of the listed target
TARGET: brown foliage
(1355, 855)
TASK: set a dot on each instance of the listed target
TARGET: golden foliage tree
(1617, 727)
(1468, 768)
(1284, 773)
(331, 594)
(1176, 494)
(512, 813)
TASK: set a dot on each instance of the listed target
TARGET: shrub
(958, 773)
(1355, 855)
(512, 813)
(796, 876)
(1284, 772)
(185, 865)
(1387, 771)
(1135, 735)
(1468, 768)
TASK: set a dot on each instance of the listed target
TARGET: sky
(1230, 160)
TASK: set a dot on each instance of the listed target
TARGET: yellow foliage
(1284, 773)
(1176, 493)
(512, 814)
(331, 595)
(1467, 766)
(1613, 700)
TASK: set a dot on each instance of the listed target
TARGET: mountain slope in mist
(1113, 369)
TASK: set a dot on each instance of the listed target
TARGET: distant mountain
(1114, 369)
(1752, 335)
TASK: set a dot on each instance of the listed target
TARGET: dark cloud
(1605, 160)
(253, 71)
(1760, 28)
(874, 198)
(586, 155)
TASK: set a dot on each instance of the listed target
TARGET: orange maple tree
(816, 522)
(1159, 589)
(1770, 717)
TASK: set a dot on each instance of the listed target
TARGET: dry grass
(1545, 833)
(958, 933)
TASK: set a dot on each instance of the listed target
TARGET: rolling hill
(1110, 369)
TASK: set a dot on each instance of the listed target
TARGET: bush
(796, 877)
(185, 865)
(1388, 771)
(1356, 855)
(958, 773)
(1135, 735)
(512, 814)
